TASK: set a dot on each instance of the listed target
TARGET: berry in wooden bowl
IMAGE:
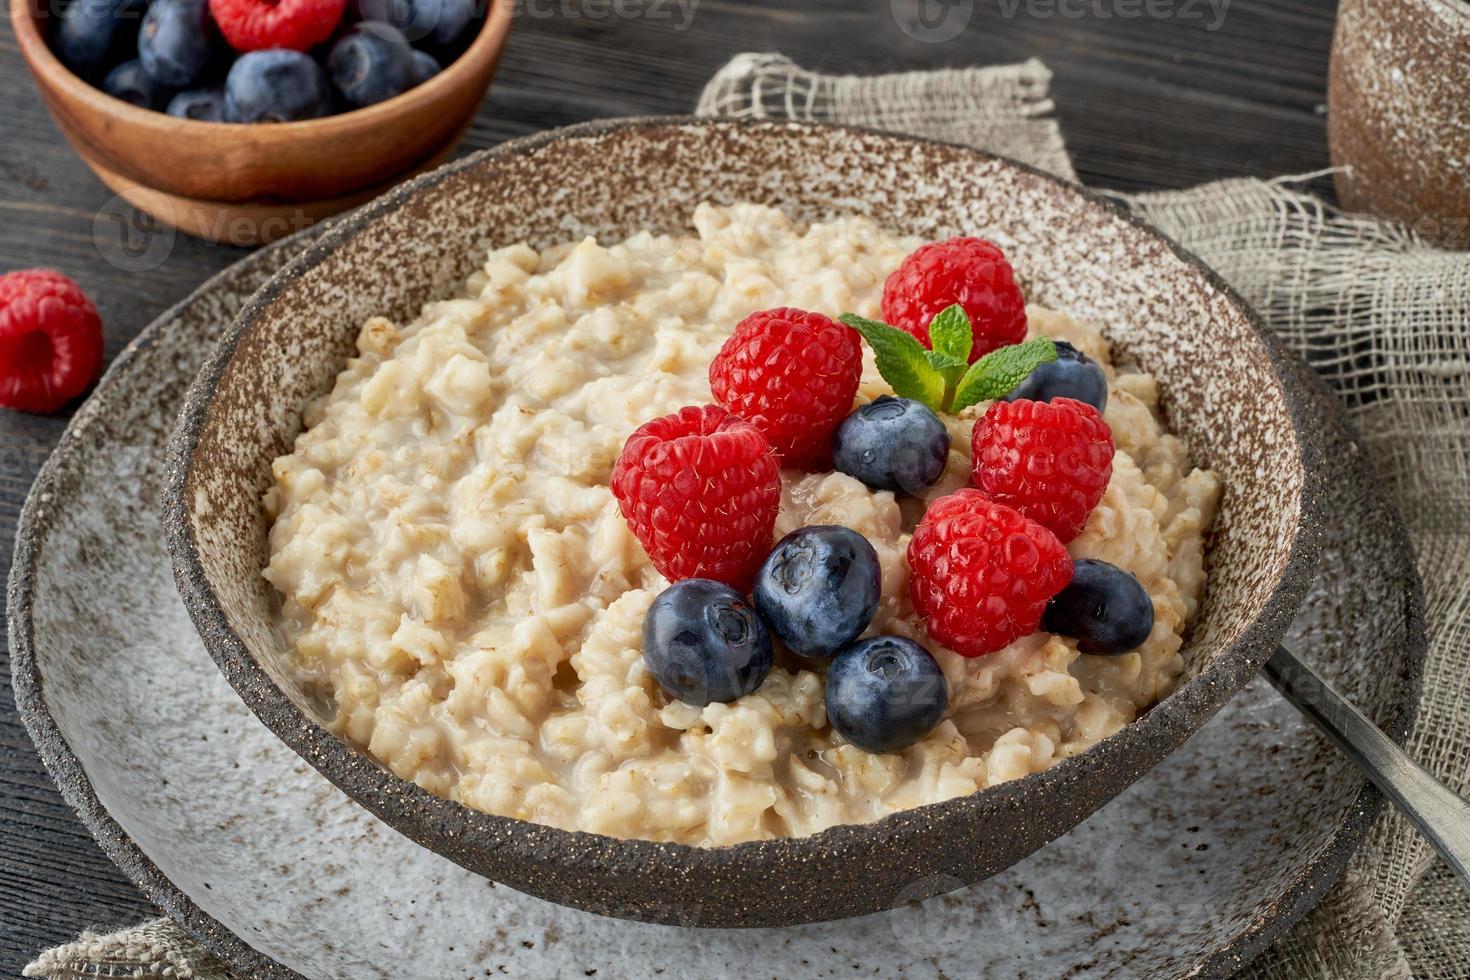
(208, 117)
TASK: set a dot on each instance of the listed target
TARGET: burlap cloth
(1385, 318)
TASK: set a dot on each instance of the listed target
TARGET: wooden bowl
(1227, 388)
(250, 184)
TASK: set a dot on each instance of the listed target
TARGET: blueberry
(440, 24)
(371, 62)
(1072, 375)
(892, 444)
(819, 588)
(885, 693)
(91, 36)
(702, 642)
(424, 67)
(177, 42)
(276, 86)
(1104, 608)
(204, 104)
(131, 83)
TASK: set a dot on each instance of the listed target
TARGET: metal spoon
(1441, 816)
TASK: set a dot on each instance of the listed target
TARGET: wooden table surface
(1181, 92)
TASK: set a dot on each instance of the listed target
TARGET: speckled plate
(1190, 872)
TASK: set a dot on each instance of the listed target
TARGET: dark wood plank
(1145, 103)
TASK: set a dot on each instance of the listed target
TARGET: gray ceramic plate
(1226, 387)
(1190, 872)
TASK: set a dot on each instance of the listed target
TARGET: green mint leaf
(943, 362)
(902, 360)
(996, 374)
(950, 333)
(951, 369)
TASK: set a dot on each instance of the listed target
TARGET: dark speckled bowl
(1228, 390)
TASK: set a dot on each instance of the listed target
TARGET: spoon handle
(1441, 816)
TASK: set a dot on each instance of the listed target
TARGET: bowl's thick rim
(50, 72)
(424, 816)
(76, 788)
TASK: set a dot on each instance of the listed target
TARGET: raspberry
(793, 375)
(981, 574)
(1049, 460)
(700, 489)
(255, 25)
(50, 340)
(968, 271)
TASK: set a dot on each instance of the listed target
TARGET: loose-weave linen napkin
(1387, 320)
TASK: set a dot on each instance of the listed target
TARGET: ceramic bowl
(1228, 389)
(250, 184)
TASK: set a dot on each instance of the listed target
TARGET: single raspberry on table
(50, 340)
(1049, 460)
(256, 25)
(981, 574)
(700, 489)
(793, 375)
(969, 271)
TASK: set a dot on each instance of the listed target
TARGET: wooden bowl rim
(25, 18)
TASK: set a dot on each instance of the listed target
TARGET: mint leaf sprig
(942, 378)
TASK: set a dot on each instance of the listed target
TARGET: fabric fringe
(1005, 109)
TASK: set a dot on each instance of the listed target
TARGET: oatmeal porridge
(457, 579)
